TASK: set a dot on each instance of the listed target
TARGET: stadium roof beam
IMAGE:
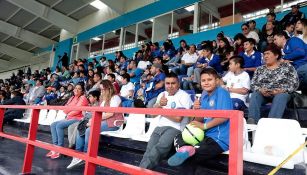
(4, 63)
(210, 9)
(15, 52)
(25, 35)
(114, 5)
(48, 14)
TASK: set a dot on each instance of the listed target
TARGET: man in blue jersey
(216, 130)
(295, 52)
(252, 58)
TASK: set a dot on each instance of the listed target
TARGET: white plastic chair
(60, 116)
(135, 125)
(49, 118)
(42, 116)
(145, 137)
(275, 139)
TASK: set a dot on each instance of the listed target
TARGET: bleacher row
(258, 140)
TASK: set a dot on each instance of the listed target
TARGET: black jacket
(15, 113)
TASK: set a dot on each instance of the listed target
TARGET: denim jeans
(279, 103)
(302, 75)
(57, 130)
(82, 142)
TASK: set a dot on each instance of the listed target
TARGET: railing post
(1, 118)
(27, 164)
(93, 143)
(235, 164)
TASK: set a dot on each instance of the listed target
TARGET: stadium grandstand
(153, 87)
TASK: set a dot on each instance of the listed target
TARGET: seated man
(161, 140)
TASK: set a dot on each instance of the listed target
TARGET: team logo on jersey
(173, 105)
(211, 103)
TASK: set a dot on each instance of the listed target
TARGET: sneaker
(182, 154)
(55, 155)
(74, 163)
(251, 121)
(178, 158)
(49, 154)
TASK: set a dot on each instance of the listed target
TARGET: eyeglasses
(245, 28)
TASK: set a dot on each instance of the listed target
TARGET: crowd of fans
(257, 66)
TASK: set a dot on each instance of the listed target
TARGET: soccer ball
(192, 135)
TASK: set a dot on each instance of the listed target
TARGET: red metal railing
(92, 159)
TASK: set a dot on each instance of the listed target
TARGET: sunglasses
(245, 28)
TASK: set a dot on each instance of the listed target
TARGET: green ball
(192, 135)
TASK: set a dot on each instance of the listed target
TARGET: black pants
(205, 150)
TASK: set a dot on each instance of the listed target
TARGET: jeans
(57, 130)
(302, 75)
(82, 142)
(197, 72)
(279, 103)
(158, 147)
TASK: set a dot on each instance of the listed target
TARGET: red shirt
(75, 101)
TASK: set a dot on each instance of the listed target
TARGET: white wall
(96, 18)
(135, 4)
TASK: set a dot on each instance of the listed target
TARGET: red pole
(27, 164)
(1, 119)
(235, 164)
(90, 168)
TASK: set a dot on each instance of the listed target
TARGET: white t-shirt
(143, 64)
(114, 102)
(254, 35)
(237, 81)
(124, 91)
(189, 58)
(180, 100)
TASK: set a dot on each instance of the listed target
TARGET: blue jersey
(216, 64)
(137, 75)
(253, 60)
(295, 50)
(218, 100)
(150, 91)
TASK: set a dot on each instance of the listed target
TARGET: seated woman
(272, 82)
(57, 128)
(109, 99)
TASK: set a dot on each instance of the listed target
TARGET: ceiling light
(190, 8)
(98, 4)
(151, 20)
(96, 39)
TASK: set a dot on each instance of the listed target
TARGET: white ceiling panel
(37, 25)
(68, 5)
(6, 9)
(21, 18)
(83, 12)
(12, 41)
(25, 46)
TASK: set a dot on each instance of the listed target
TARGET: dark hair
(182, 41)
(167, 46)
(172, 75)
(112, 76)
(282, 34)
(274, 49)
(82, 86)
(288, 24)
(98, 74)
(252, 21)
(245, 24)
(156, 44)
(207, 48)
(17, 93)
(3, 93)
(271, 14)
(41, 81)
(126, 76)
(138, 103)
(250, 40)
(210, 71)
(95, 93)
(238, 60)
(239, 36)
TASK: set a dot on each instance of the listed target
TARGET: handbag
(297, 101)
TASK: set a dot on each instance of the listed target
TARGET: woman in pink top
(57, 128)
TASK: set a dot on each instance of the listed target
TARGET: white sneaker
(74, 163)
